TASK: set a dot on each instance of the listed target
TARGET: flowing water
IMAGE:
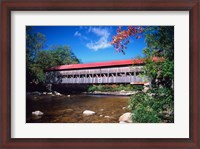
(65, 109)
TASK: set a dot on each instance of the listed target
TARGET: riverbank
(117, 93)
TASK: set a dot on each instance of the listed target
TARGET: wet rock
(57, 93)
(33, 93)
(88, 112)
(37, 113)
(126, 117)
(100, 115)
(68, 95)
(107, 116)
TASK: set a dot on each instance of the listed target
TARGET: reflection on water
(65, 109)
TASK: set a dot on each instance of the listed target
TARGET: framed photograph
(99, 74)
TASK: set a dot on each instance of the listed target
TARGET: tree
(63, 55)
(160, 43)
(34, 43)
(122, 38)
(157, 103)
(38, 59)
(58, 55)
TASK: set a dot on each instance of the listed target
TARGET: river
(69, 109)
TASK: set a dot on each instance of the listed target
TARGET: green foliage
(34, 43)
(37, 59)
(92, 88)
(161, 41)
(47, 58)
(154, 106)
(160, 73)
(150, 107)
(63, 55)
(115, 88)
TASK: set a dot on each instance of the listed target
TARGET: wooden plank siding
(120, 74)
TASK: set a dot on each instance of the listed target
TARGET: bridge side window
(76, 76)
(118, 74)
(59, 76)
(130, 74)
(63, 76)
(111, 75)
(82, 76)
(97, 75)
(139, 73)
(121, 74)
(104, 75)
(89, 76)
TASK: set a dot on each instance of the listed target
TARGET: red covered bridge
(123, 71)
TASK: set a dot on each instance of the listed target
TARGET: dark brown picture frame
(6, 142)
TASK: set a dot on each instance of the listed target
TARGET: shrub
(113, 88)
(92, 88)
(152, 106)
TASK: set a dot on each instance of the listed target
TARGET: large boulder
(126, 118)
(37, 113)
(57, 93)
(88, 112)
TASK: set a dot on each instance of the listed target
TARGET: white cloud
(78, 34)
(103, 42)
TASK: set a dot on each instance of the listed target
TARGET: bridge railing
(98, 80)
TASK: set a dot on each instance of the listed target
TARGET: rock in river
(88, 112)
(37, 113)
(57, 93)
(33, 93)
(126, 118)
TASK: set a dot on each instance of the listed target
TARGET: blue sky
(90, 43)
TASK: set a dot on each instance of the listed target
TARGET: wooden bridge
(113, 72)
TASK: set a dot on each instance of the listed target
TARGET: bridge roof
(99, 64)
